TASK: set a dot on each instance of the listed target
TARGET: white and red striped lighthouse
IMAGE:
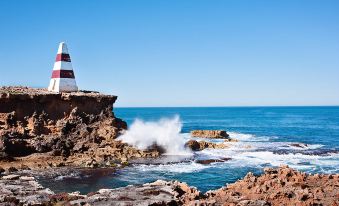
(63, 79)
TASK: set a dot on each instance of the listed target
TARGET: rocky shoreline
(278, 186)
(41, 131)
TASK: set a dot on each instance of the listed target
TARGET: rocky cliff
(45, 129)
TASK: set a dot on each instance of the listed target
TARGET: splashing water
(164, 133)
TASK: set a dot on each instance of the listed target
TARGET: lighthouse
(63, 79)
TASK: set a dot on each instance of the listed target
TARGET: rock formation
(209, 161)
(23, 190)
(214, 134)
(201, 145)
(77, 128)
(280, 186)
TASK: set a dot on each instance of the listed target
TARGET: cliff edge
(46, 129)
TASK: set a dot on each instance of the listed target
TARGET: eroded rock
(209, 161)
(277, 186)
(201, 145)
(76, 129)
(214, 134)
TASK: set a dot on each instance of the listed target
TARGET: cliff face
(75, 126)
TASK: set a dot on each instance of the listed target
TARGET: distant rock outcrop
(201, 145)
(209, 161)
(77, 128)
(214, 134)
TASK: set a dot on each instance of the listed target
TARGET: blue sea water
(267, 138)
(311, 125)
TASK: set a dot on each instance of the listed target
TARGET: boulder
(209, 161)
(201, 145)
(213, 134)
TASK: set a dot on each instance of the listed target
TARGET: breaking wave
(164, 133)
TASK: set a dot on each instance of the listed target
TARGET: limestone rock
(201, 145)
(70, 129)
(277, 186)
(214, 134)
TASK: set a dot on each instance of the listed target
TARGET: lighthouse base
(62, 85)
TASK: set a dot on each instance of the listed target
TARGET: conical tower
(63, 79)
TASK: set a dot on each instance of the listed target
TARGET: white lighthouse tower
(63, 79)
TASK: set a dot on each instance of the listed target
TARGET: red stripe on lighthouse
(63, 57)
(63, 74)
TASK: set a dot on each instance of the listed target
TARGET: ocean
(304, 138)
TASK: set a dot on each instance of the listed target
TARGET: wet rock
(193, 145)
(214, 134)
(232, 140)
(208, 161)
(299, 145)
(200, 145)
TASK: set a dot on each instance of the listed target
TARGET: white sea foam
(164, 133)
(240, 136)
(251, 150)
(70, 175)
(183, 167)
(249, 137)
(304, 146)
(253, 154)
(314, 146)
(258, 159)
(298, 161)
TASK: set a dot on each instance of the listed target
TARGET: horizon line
(225, 106)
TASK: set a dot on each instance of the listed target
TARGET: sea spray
(164, 133)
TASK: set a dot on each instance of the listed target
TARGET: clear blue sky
(179, 52)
